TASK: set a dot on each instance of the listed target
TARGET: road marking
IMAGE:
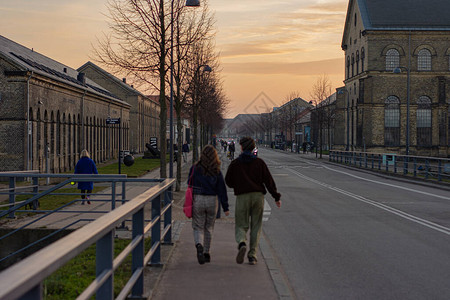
(397, 212)
(374, 181)
(267, 211)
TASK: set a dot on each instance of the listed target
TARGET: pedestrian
(249, 176)
(304, 147)
(185, 150)
(85, 166)
(208, 188)
(232, 149)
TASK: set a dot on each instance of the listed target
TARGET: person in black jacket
(208, 185)
(249, 176)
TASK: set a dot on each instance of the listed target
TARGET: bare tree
(138, 46)
(200, 85)
(320, 95)
(190, 28)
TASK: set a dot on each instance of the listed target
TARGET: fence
(431, 168)
(24, 279)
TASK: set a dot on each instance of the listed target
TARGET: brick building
(393, 55)
(50, 112)
(144, 112)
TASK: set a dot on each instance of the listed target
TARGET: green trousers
(248, 215)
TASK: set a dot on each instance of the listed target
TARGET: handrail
(26, 277)
(410, 165)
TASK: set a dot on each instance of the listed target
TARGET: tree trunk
(162, 95)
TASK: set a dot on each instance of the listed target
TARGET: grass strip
(72, 279)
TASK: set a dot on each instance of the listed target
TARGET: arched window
(424, 121)
(392, 121)
(392, 59)
(353, 65)
(424, 60)
(357, 62)
(348, 67)
(363, 56)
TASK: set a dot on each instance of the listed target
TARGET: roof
(411, 14)
(404, 14)
(29, 60)
(110, 76)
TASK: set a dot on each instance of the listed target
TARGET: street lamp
(206, 68)
(189, 3)
(398, 70)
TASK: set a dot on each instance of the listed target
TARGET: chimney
(81, 78)
(65, 70)
(124, 80)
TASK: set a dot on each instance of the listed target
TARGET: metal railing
(430, 168)
(24, 280)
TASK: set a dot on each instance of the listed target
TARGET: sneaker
(241, 253)
(200, 255)
(207, 257)
(82, 202)
(87, 198)
(252, 260)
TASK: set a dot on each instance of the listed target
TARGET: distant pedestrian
(85, 166)
(232, 149)
(304, 147)
(249, 176)
(208, 187)
(185, 150)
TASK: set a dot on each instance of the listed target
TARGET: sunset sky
(268, 47)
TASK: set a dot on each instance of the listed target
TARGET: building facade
(397, 74)
(50, 112)
(144, 112)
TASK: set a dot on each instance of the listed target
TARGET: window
(348, 66)
(392, 121)
(392, 59)
(355, 19)
(363, 56)
(357, 62)
(353, 65)
(424, 121)
(424, 60)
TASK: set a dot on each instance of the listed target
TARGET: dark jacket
(208, 185)
(185, 148)
(86, 166)
(248, 173)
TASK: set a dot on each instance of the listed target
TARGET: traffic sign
(113, 121)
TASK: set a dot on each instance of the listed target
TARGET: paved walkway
(182, 277)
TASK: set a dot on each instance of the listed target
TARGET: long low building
(49, 112)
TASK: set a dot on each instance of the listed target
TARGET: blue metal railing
(24, 279)
(407, 165)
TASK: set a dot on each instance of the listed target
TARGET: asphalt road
(345, 234)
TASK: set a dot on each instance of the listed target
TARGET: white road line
(267, 211)
(377, 182)
(397, 212)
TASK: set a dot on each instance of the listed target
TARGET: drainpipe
(29, 152)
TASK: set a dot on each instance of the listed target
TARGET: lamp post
(398, 70)
(206, 68)
(189, 3)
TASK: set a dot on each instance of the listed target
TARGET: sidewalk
(181, 276)
(184, 278)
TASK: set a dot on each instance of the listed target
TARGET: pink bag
(187, 206)
(189, 197)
